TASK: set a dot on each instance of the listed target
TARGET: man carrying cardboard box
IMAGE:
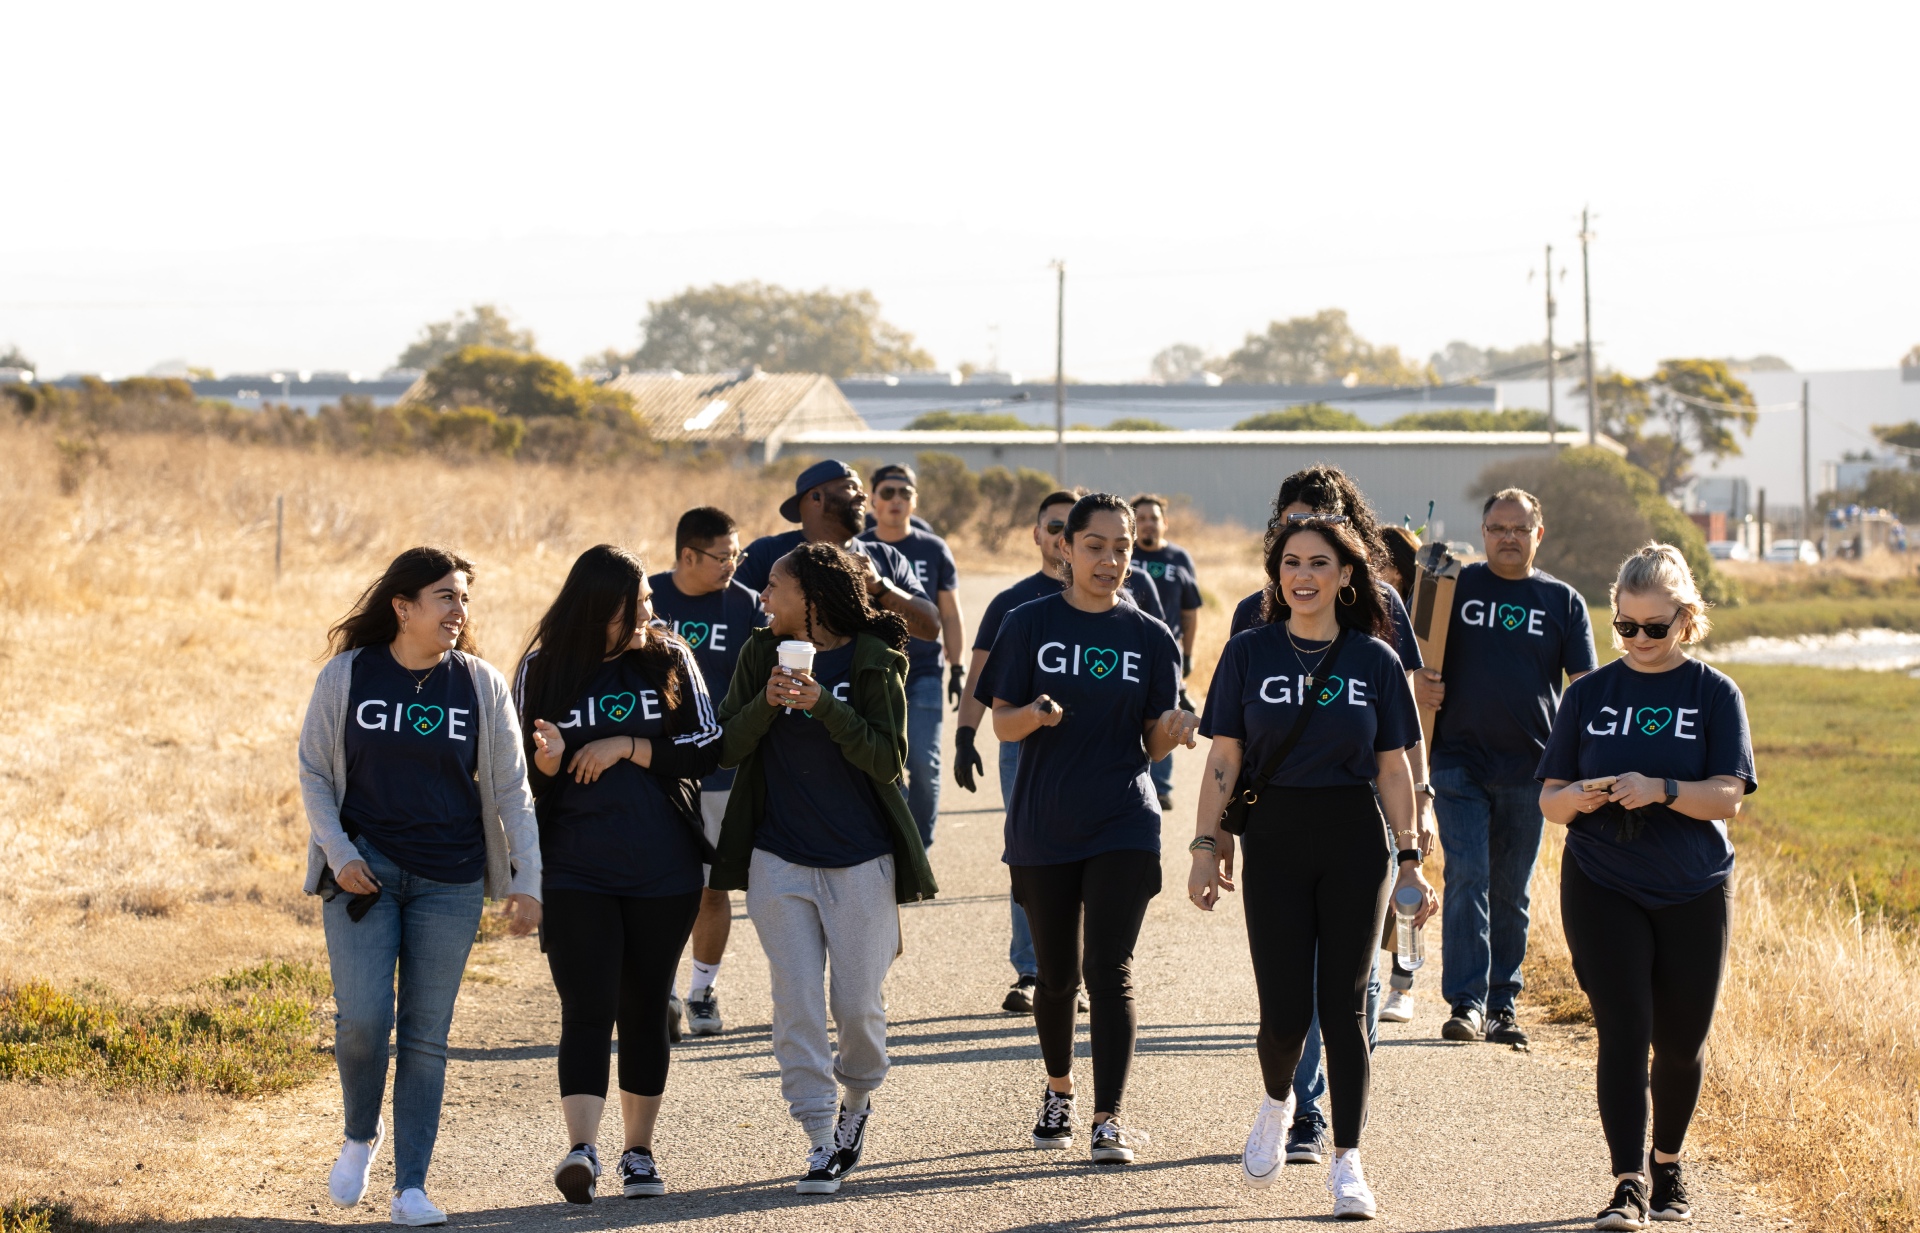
(1513, 631)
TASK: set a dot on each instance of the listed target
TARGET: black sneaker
(1166, 802)
(1019, 999)
(1053, 1129)
(823, 1171)
(1629, 1207)
(1669, 1200)
(1502, 1030)
(638, 1177)
(1467, 1023)
(1306, 1142)
(1114, 1143)
(673, 1018)
(850, 1137)
(577, 1172)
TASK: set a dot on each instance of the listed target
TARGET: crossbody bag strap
(1278, 757)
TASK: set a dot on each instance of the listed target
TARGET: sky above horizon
(246, 187)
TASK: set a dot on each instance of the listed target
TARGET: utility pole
(279, 532)
(1806, 465)
(1060, 375)
(1553, 423)
(1586, 304)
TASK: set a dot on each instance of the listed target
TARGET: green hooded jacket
(871, 731)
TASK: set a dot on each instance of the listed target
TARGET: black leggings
(1114, 887)
(1316, 868)
(1652, 976)
(614, 958)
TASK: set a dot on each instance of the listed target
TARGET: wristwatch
(1424, 789)
(1673, 791)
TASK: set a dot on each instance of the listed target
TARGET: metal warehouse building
(1231, 476)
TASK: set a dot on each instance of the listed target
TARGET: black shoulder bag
(1233, 819)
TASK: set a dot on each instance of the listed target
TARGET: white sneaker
(1266, 1143)
(1398, 1008)
(347, 1184)
(1352, 1197)
(413, 1208)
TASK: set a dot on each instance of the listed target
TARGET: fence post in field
(279, 532)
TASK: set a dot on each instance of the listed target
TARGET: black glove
(1186, 663)
(1186, 703)
(966, 760)
(956, 680)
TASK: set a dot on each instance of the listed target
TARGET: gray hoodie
(506, 803)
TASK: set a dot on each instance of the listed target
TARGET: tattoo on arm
(1219, 779)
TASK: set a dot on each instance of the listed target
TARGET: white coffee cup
(796, 656)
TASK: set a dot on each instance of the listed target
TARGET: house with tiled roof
(764, 409)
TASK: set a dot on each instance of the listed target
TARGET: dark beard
(840, 510)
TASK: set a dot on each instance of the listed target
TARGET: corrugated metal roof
(1193, 438)
(756, 406)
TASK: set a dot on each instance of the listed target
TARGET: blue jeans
(1163, 776)
(423, 930)
(1309, 1081)
(1491, 836)
(1020, 950)
(925, 713)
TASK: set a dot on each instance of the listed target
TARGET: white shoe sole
(1613, 1220)
(1670, 1215)
(811, 1187)
(1305, 1157)
(705, 1027)
(576, 1182)
(1112, 1155)
(373, 1153)
(644, 1190)
(1053, 1145)
(1396, 1016)
(1355, 1211)
(417, 1222)
(1258, 1181)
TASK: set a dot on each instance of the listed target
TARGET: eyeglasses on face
(1656, 630)
(731, 558)
(894, 492)
(1499, 532)
(1334, 520)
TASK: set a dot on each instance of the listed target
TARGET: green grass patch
(252, 1031)
(1788, 618)
(39, 1216)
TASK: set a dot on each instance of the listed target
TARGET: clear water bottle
(1409, 946)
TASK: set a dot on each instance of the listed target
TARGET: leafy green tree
(1468, 420)
(968, 421)
(949, 492)
(1011, 497)
(512, 383)
(1702, 403)
(1306, 417)
(1462, 361)
(485, 326)
(1318, 350)
(718, 328)
(13, 357)
(1135, 423)
(1898, 491)
(1179, 362)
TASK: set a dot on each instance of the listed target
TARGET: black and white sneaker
(1502, 1030)
(1629, 1207)
(639, 1179)
(1307, 1141)
(703, 1013)
(577, 1172)
(1669, 1200)
(850, 1137)
(1115, 1144)
(1053, 1129)
(823, 1171)
(673, 1018)
(1019, 999)
(1466, 1023)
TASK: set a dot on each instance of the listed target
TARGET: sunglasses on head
(894, 492)
(1657, 630)
(1335, 520)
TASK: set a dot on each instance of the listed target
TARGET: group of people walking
(770, 721)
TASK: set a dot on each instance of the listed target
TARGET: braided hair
(835, 589)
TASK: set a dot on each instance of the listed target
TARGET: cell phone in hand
(1048, 706)
(1603, 784)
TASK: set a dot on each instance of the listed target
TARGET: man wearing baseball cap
(831, 508)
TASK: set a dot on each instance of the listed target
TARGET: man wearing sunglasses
(896, 492)
(1515, 631)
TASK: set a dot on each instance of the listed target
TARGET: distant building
(16, 376)
(303, 391)
(760, 408)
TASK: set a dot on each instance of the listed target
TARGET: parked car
(1792, 551)
(1729, 550)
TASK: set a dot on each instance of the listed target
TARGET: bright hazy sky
(248, 186)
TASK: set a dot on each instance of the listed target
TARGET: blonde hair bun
(1660, 569)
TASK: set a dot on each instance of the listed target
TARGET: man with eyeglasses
(1515, 631)
(704, 602)
(896, 492)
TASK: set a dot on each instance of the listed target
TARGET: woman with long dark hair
(1311, 716)
(819, 835)
(417, 801)
(620, 731)
(1089, 686)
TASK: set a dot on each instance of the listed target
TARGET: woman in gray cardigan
(416, 793)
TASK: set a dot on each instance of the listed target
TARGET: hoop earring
(1347, 602)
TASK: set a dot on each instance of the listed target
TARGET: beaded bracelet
(1202, 841)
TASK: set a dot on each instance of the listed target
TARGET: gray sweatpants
(803, 915)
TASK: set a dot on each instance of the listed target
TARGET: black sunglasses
(889, 492)
(1657, 630)
(1053, 526)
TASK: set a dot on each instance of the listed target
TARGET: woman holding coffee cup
(817, 832)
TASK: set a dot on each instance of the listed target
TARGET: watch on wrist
(1423, 789)
(1673, 791)
(1408, 854)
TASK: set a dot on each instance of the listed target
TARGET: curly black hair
(1328, 490)
(836, 591)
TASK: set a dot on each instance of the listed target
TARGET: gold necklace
(1298, 654)
(420, 682)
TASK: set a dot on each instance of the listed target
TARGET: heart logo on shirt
(424, 719)
(1512, 616)
(617, 706)
(1654, 718)
(695, 632)
(1155, 569)
(1335, 686)
(1101, 662)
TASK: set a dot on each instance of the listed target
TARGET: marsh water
(1871, 650)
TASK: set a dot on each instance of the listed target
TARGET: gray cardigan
(506, 803)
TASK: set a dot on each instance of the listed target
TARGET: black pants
(1652, 976)
(1316, 868)
(1113, 888)
(614, 958)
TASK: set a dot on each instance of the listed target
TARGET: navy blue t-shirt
(618, 835)
(1139, 591)
(716, 626)
(1507, 644)
(1145, 594)
(1171, 568)
(888, 562)
(411, 757)
(1688, 724)
(1365, 706)
(933, 566)
(1246, 615)
(1083, 788)
(822, 811)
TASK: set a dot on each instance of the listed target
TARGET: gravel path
(1462, 1136)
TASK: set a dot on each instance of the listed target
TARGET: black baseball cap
(824, 472)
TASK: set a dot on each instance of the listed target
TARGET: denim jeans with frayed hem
(421, 931)
(1491, 836)
(1020, 950)
(925, 719)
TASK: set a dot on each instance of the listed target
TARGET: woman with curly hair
(818, 833)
